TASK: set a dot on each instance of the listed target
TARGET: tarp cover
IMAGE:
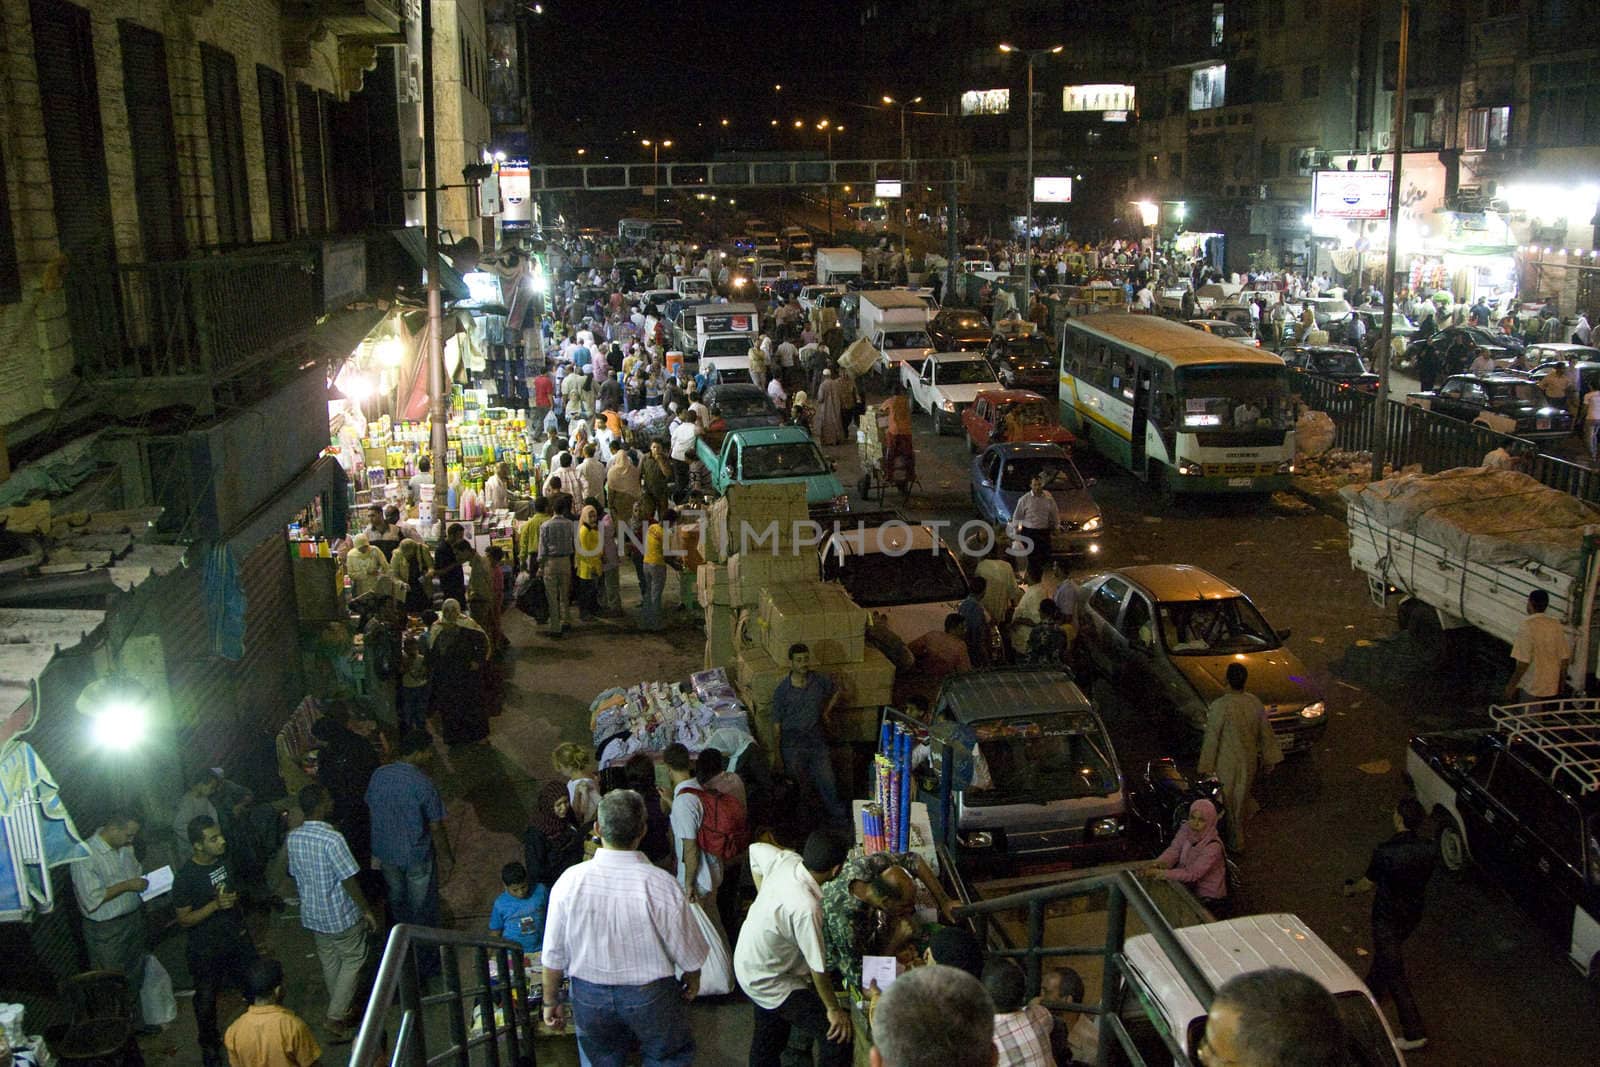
(1490, 516)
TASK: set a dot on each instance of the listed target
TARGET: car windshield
(1035, 761)
(1336, 363)
(1226, 329)
(1060, 476)
(1526, 393)
(732, 375)
(1029, 350)
(791, 459)
(1024, 413)
(965, 372)
(1369, 1043)
(1238, 397)
(741, 405)
(879, 580)
(1214, 627)
(908, 339)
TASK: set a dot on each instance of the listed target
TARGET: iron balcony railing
(208, 318)
(493, 1015)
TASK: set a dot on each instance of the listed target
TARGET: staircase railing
(492, 1015)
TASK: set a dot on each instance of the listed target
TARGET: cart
(881, 465)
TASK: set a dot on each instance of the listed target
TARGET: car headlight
(840, 502)
(947, 405)
(1091, 525)
(1105, 827)
(975, 839)
(1313, 711)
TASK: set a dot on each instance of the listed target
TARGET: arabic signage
(1350, 194)
(986, 102)
(725, 324)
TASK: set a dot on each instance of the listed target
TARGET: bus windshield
(1238, 397)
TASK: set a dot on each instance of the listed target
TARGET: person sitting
(937, 654)
(1196, 857)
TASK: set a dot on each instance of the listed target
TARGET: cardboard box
(758, 514)
(751, 572)
(712, 584)
(866, 684)
(820, 615)
(722, 645)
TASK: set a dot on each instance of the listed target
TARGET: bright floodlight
(888, 99)
(1006, 48)
(120, 726)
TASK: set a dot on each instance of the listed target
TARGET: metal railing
(1437, 442)
(1122, 891)
(506, 1035)
(209, 318)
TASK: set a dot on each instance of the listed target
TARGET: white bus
(1184, 410)
(631, 231)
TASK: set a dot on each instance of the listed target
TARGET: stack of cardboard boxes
(763, 593)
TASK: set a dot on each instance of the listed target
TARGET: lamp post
(655, 172)
(828, 130)
(905, 169)
(1027, 232)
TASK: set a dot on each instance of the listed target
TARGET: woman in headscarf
(588, 563)
(1196, 857)
(826, 424)
(457, 657)
(624, 485)
(552, 842)
(365, 565)
(411, 567)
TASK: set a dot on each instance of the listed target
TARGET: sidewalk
(488, 790)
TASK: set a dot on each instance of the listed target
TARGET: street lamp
(655, 171)
(905, 168)
(1027, 233)
(828, 130)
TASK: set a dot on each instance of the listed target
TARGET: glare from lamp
(357, 387)
(120, 726)
(390, 351)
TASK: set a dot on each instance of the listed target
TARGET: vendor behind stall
(870, 910)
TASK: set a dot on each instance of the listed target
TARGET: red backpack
(724, 832)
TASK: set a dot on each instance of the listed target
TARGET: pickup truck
(947, 384)
(774, 455)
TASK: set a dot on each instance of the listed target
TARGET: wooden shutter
(155, 149)
(275, 152)
(225, 135)
(311, 172)
(10, 274)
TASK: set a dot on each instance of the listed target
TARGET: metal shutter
(275, 152)
(310, 113)
(10, 273)
(225, 136)
(155, 149)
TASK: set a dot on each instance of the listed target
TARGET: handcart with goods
(884, 461)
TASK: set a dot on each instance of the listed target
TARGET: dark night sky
(660, 67)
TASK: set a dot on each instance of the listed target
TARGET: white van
(1224, 950)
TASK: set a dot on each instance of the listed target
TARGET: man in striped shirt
(332, 905)
(107, 886)
(623, 930)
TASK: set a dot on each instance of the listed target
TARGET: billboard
(1350, 194)
(515, 191)
(1208, 87)
(1052, 190)
(886, 190)
(986, 102)
(1097, 98)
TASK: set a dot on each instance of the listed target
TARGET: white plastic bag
(716, 974)
(156, 1002)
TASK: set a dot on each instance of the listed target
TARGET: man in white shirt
(107, 886)
(1035, 517)
(1591, 422)
(1541, 651)
(1482, 364)
(684, 436)
(779, 960)
(622, 929)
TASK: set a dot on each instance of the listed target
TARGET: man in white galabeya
(1541, 650)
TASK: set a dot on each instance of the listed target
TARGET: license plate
(1240, 483)
(1543, 424)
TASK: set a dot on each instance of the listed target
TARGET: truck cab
(775, 455)
(947, 384)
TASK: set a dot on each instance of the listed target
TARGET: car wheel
(1453, 852)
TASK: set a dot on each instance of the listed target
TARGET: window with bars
(1488, 127)
(1271, 160)
(230, 181)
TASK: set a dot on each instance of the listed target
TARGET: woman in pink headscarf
(1196, 857)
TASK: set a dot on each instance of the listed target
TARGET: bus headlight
(1187, 468)
(1286, 467)
(1105, 827)
(1313, 711)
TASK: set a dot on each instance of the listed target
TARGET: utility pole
(1380, 422)
(438, 407)
(1027, 232)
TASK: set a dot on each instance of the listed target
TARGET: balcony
(185, 328)
(348, 18)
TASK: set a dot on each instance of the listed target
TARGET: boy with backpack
(708, 828)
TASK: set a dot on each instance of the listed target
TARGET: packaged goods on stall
(656, 714)
(821, 616)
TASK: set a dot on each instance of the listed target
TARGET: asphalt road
(1481, 968)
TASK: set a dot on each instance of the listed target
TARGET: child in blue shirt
(518, 913)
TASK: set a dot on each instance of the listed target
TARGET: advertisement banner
(515, 191)
(1052, 190)
(1097, 98)
(886, 190)
(1350, 194)
(986, 102)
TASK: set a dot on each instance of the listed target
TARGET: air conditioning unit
(1382, 142)
(408, 80)
(1261, 192)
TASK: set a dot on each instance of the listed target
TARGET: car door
(1448, 400)
(976, 422)
(1547, 852)
(1140, 679)
(929, 379)
(987, 490)
(1102, 640)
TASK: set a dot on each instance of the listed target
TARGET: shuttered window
(10, 275)
(275, 152)
(225, 135)
(312, 176)
(155, 149)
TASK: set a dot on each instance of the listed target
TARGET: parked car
(810, 294)
(1338, 363)
(903, 570)
(1001, 474)
(1024, 362)
(959, 330)
(1502, 347)
(1506, 394)
(1053, 793)
(1013, 415)
(1583, 363)
(1162, 635)
(946, 384)
(736, 406)
(774, 455)
(1522, 802)
(1222, 328)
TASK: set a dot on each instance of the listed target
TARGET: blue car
(1002, 473)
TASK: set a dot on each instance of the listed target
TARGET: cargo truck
(838, 266)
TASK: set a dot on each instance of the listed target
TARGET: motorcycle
(1162, 804)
